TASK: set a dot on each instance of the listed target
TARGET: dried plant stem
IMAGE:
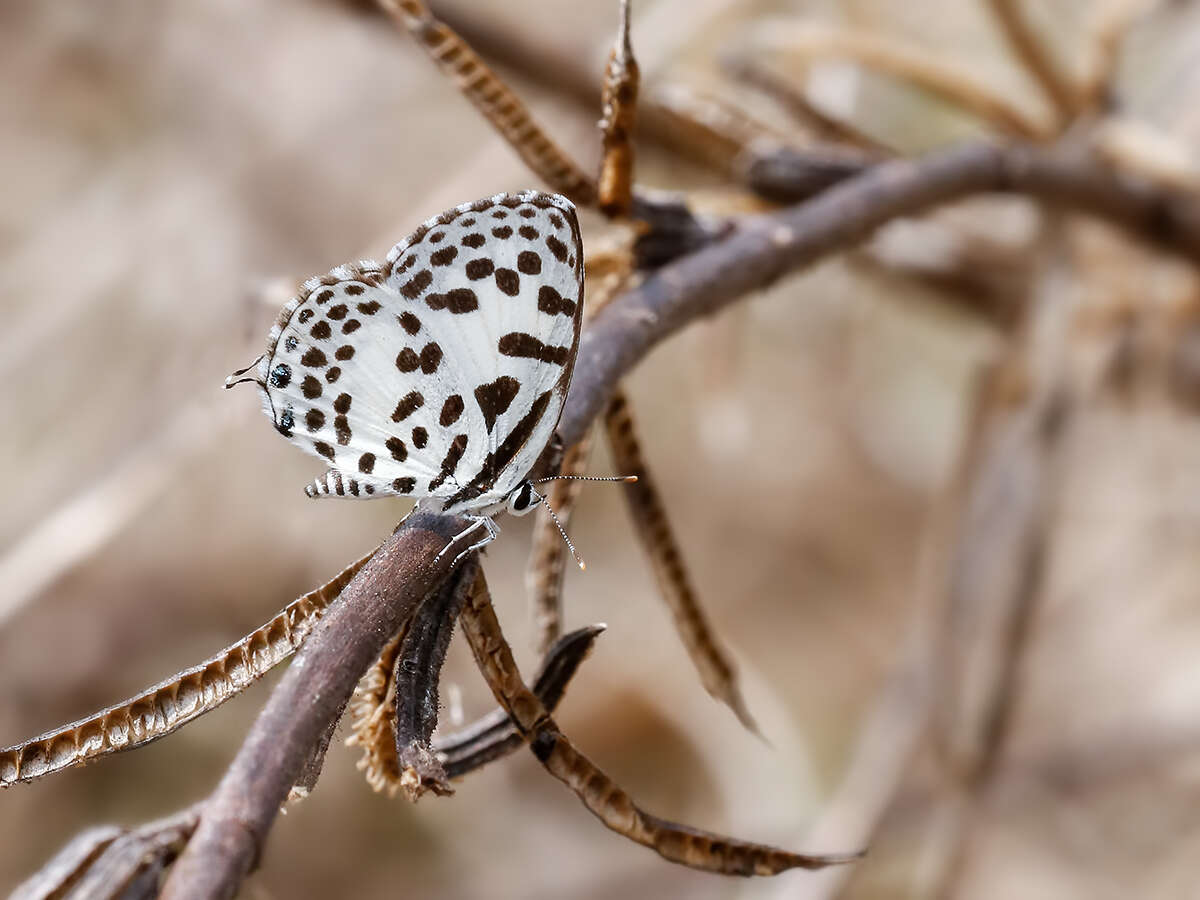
(618, 104)
(184, 697)
(603, 797)
(313, 692)
(717, 671)
(494, 735)
(704, 128)
(499, 105)
(548, 556)
(764, 248)
(750, 69)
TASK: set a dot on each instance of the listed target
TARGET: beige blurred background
(163, 166)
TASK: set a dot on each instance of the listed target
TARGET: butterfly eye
(523, 499)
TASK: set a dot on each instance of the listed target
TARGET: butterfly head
(524, 499)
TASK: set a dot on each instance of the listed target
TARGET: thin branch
(953, 83)
(313, 692)
(713, 662)
(1032, 52)
(702, 127)
(1106, 33)
(495, 735)
(548, 554)
(765, 248)
(600, 794)
(752, 71)
(182, 698)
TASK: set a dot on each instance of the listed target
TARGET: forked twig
(717, 671)
(1106, 31)
(494, 735)
(705, 128)
(602, 796)
(618, 104)
(1037, 60)
(498, 104)
(183, 697)
(955, 84)
(751, 70)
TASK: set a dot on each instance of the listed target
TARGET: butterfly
(441, 374)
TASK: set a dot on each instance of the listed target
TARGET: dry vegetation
(925, 514)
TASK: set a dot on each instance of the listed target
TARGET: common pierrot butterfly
(441, 373)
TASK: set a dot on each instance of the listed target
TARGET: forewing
(498, 286)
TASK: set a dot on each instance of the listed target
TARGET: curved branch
(767, 247)
(312, 693)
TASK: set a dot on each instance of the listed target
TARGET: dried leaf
(494, 735)
(618, 103)
(599, 793)
(717, 671)
(173, 703)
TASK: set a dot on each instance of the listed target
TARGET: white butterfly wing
(443, 372)
(501, 281)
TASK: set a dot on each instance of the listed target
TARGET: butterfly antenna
(626, 479)
(235, 379)
(563, 532)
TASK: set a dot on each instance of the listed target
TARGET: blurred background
(941, 495)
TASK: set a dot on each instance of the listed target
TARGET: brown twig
(750, 70)
(713, 662)
(239, 813)
(495, 735)
(765, 248)
(602, 796)
(1106, 32)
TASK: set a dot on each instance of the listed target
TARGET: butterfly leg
(492, 531)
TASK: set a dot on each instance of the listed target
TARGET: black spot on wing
(552, 302)
(496, 462)
(450, 462)
(494, 399)
(457, 300)
(521, 344)
(409, 404)
(451, 410)
(415, 286)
